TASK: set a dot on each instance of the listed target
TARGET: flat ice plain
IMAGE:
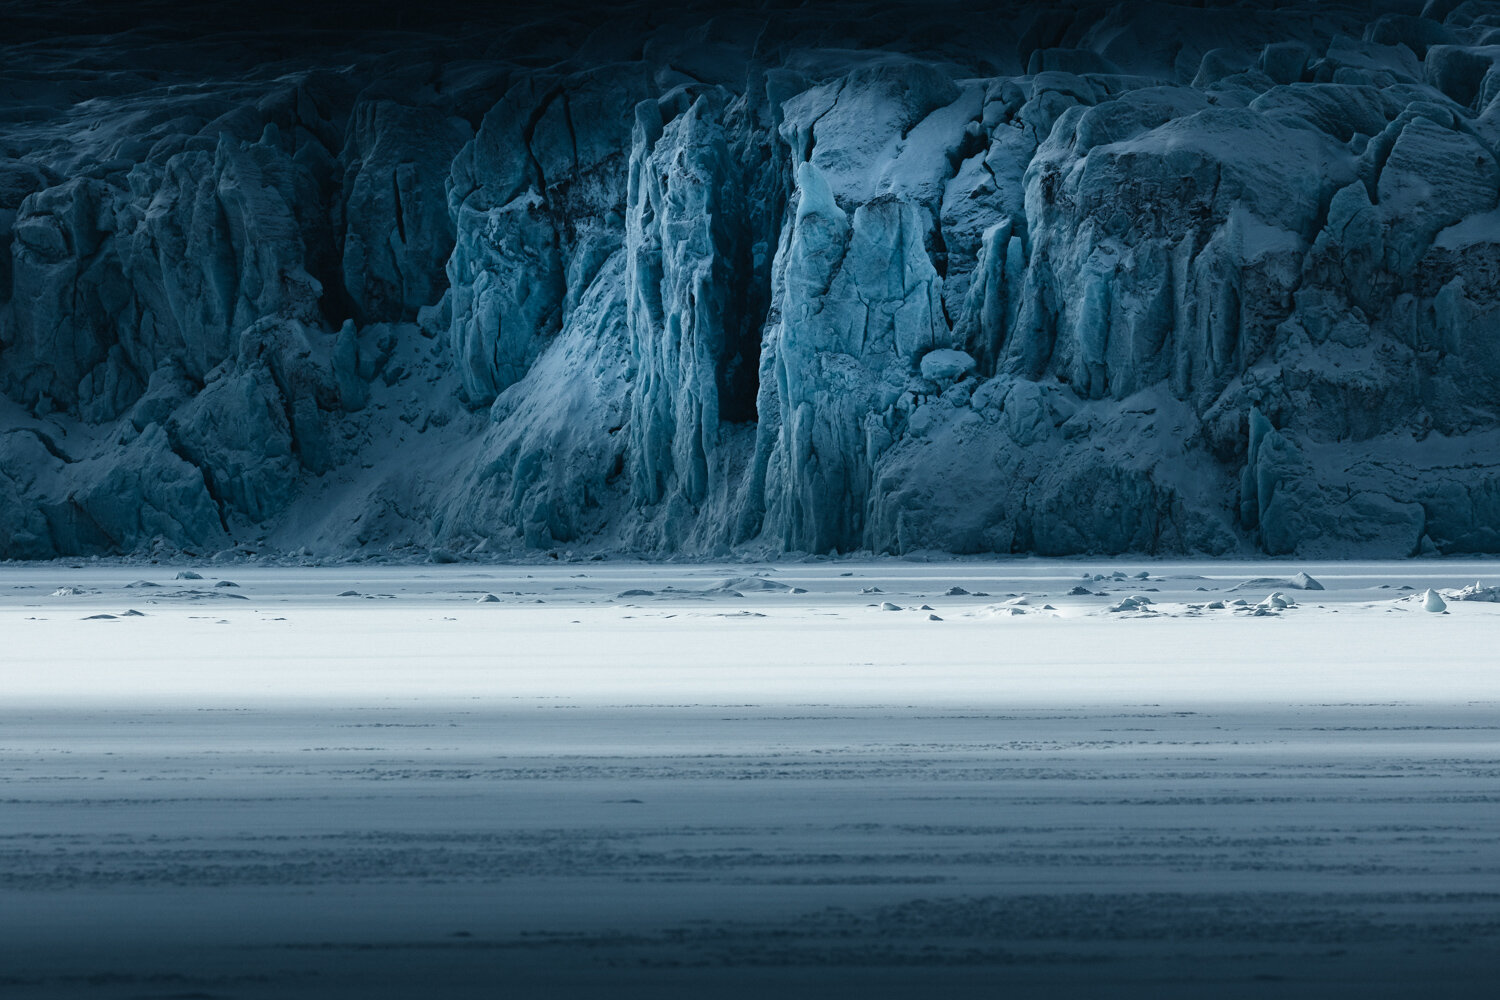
(630, 780)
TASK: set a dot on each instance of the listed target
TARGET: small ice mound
(1080, 592)
(799, 590)
(1215, 605)
(347, 593)
(140, 584)
(133, 613)
(1143, 575)
(750, 583)
(635, 593)
(1135, 603)
(1277, 601)
(97, 618)
(188, 574)
(226, 583)
(888, 606)
(1299, 582)
(871, 590)
(69, 592)
(1431, 601)
(933, 618)
(925, 607)
(488, 599)
(955, 592)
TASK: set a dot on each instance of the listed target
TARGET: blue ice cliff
(1058, 279)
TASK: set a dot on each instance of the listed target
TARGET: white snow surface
(638, 780)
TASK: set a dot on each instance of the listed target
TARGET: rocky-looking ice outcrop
(1084, 278)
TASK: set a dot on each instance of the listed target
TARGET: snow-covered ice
(677, 781)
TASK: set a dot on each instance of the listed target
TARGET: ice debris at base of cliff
(1105, 279)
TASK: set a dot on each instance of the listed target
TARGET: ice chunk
(1133, 603)
(945, 365)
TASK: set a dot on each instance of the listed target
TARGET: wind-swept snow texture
(1052, 278)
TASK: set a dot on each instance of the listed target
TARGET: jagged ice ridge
(1056, 279)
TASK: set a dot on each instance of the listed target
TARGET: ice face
(1211, 280)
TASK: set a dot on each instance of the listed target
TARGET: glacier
(1086, 278)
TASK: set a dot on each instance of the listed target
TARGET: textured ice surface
(669, 781)
(1101, 278)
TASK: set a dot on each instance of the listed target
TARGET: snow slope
(1056, 279)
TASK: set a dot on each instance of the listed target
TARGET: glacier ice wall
(1062, 279)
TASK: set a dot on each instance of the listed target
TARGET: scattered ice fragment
(1215, 605)
(94, 618)
(925, 607)
(138, 584)
(69, 592)
(347, 593)
(956, 592)
(1080, 592)
(1143, 575)
(933, 618)
(1478, 592)
(1432, 602)
(488, 599)
(871, 590)
(636, 593)
(226, 583)
(133, 613)
(188, 574)
(1277, 600)
(888, 606)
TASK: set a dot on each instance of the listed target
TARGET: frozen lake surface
(629, 780)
